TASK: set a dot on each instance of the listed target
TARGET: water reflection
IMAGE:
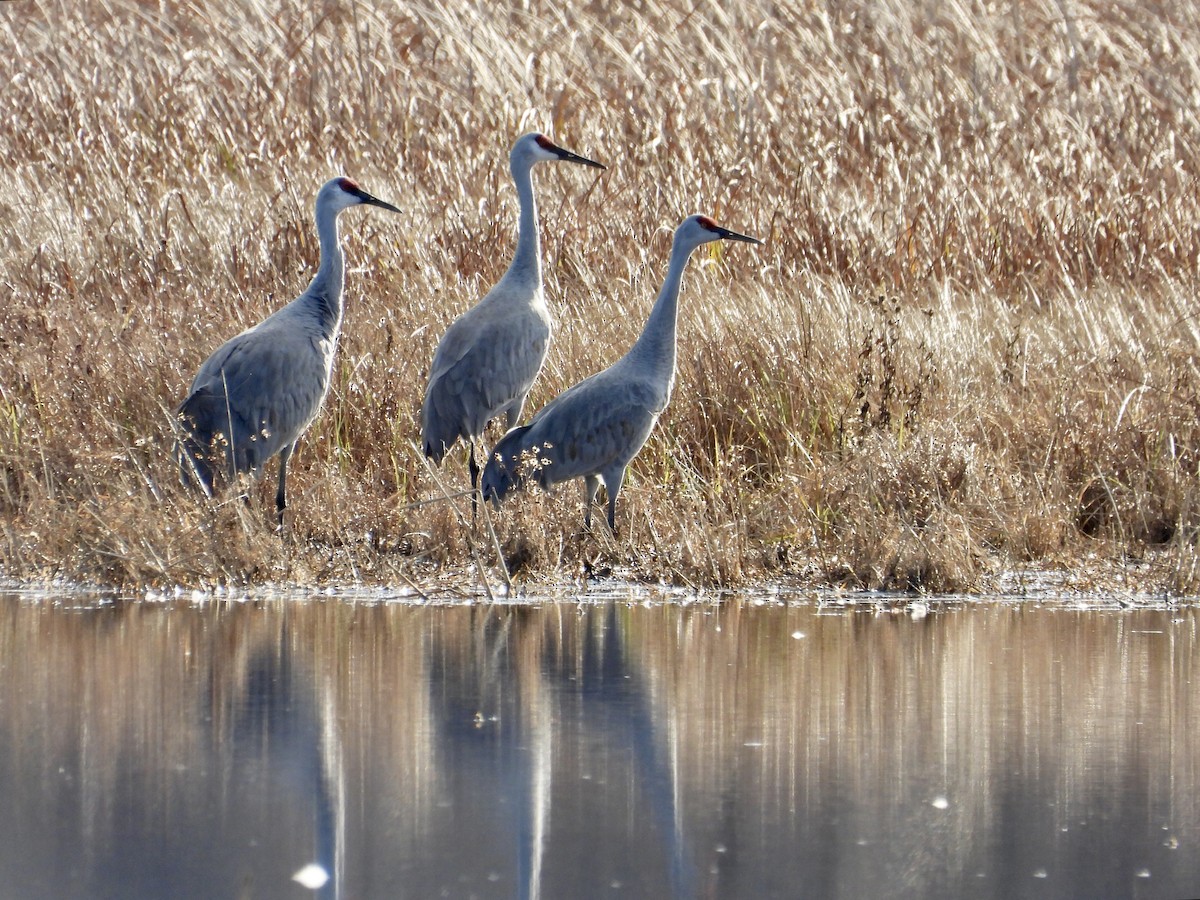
(635, 750)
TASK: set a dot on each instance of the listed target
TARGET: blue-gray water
(619, 749)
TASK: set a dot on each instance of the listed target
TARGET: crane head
(343, 192)
(697, 230)
(535, 147)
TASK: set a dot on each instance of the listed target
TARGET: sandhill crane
(595, 429)
(489, 357)
(259, 391)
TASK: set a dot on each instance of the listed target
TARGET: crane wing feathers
(264, 387)
(206, 413)
(592, 428)
(476, 375)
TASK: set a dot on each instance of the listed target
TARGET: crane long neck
(527, 261)
(655, 347)
(325, 291)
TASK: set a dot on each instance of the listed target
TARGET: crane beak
(372, 200)
(728, 235)
(568, 156)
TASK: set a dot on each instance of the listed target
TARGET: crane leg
(591, 486)
(613, 482)
(474, 467)
(513, 415)
(281, 494)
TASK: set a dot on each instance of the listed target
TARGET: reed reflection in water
(626, 749)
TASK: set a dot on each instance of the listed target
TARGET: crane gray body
(594, 429)
(259, 391)
(485, 365)
(490, 356)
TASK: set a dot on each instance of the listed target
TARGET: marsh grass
(969, 342)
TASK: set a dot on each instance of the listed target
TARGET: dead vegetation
(969, 343)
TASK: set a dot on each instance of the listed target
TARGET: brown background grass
(969, 342)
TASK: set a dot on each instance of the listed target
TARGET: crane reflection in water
(582, 749)
(499, 696)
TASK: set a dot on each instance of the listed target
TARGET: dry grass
(968, 343)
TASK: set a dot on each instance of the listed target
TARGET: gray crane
(489, 357)
(594, 429)
(261, 390)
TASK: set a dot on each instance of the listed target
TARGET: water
(622, 749)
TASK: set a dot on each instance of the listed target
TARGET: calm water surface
(624, 749)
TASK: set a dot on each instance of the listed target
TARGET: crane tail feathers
(435, 450)
(504, 470)
(195, 470)
(200, 418)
